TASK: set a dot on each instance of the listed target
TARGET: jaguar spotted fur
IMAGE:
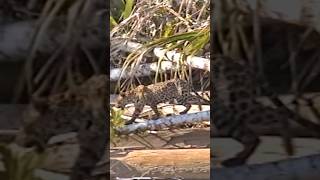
(174, 91)
(237, 112)
(81, 110)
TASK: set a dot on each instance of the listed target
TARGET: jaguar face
(120, 102)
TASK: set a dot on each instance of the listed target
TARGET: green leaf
(113, 22)
(20, 166)
(127, 9)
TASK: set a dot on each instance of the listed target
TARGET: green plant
(120, 11)
(189, 43)
(76, 21)
(116, 121)
(182, 28)
(20, 166)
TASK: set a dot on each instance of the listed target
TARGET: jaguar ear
(122, 93)
(141, 89)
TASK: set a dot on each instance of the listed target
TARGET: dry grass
(75, 22)
(160, 24)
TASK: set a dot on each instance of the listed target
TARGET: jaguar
(237, 112)
(175, 91)
(82, 110)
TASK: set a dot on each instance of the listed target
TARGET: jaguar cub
(237, 113)
(82, 110)
(169, 91)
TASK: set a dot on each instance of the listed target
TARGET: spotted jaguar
(237, 112)
(82, 110)
(175, 91)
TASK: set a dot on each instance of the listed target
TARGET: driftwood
(165, 122)
(193, 61)
(143, 70)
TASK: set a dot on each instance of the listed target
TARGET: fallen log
(165, 122)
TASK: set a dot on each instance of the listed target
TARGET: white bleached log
(193, 61)
(162, 123)
(143, 70)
